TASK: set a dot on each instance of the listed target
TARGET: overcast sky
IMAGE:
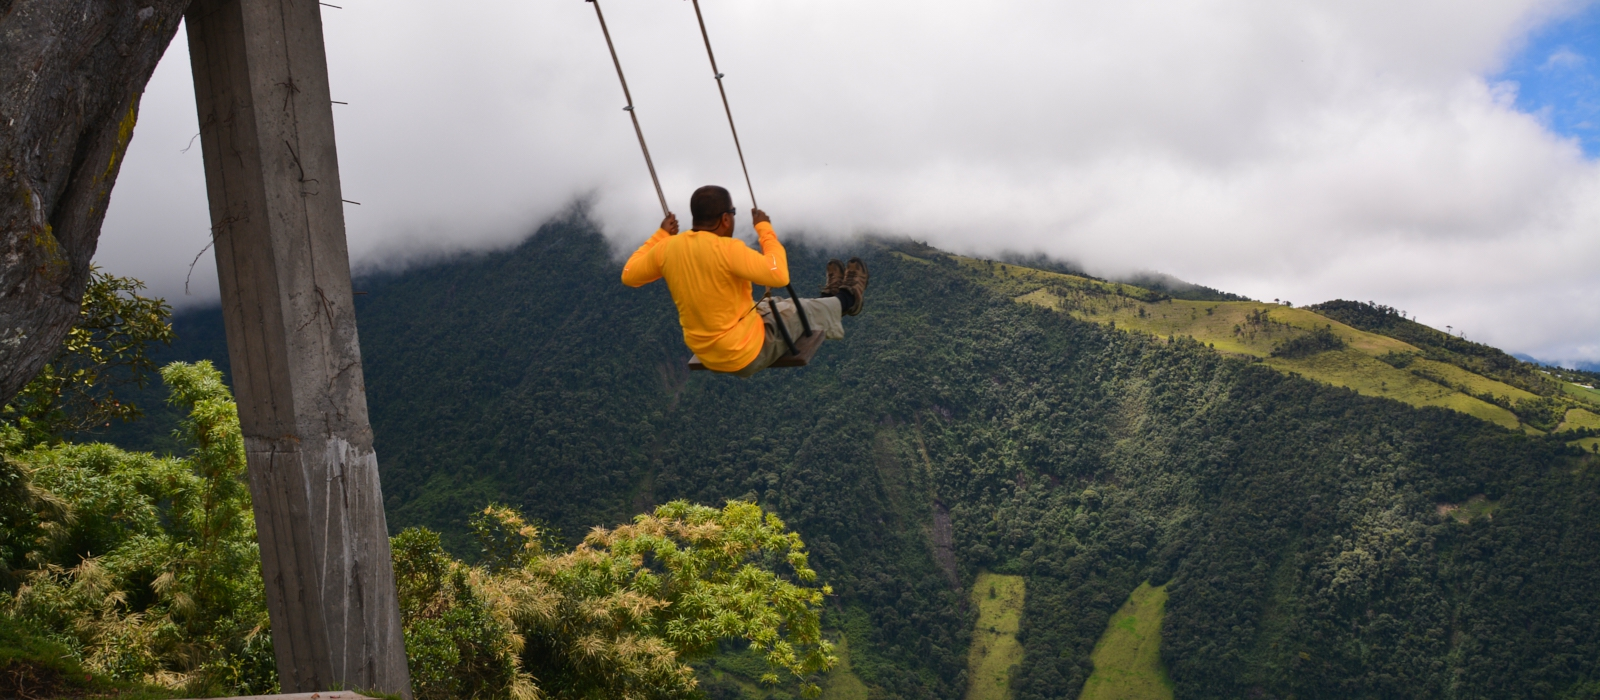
(1440, 156)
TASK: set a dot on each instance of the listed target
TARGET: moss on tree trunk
(71, 74)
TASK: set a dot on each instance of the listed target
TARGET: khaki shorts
(824, 314)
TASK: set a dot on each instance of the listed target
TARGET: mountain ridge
(1313, 541)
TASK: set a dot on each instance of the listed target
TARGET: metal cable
(629, 109)
(725, 106)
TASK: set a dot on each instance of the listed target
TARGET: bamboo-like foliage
(148, 569)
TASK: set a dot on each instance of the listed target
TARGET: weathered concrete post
(272, 175)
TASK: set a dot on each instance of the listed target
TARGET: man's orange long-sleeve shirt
(710, 278)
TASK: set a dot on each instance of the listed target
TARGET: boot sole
(860, 294)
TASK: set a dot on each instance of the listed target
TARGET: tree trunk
(71, 73)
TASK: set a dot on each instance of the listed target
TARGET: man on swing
(710, 274)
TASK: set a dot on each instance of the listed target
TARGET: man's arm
(768, 268)
(642, 267)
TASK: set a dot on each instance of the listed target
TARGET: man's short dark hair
(708, 204)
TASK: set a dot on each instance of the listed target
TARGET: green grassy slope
(1438, 370)
(1127, 660)
(995, 651)
(1255, 329)
(1582, 392)
(1440, 345)
(955, 430)
(1579, 419)
(842, 683)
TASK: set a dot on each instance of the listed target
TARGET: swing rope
(635, 115)
(783, 327)
(725, 107)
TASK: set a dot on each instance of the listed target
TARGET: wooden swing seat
(805, 348)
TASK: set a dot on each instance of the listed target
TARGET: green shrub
(1542, 413)
(1317, 341)
(1397, 359)
(145, 568)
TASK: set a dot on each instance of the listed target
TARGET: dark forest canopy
(1309, 536)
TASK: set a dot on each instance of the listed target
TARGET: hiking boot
(835, 279)
(855, 282)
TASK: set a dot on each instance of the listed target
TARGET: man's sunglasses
(733, 211)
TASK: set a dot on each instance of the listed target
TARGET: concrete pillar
(272, 175)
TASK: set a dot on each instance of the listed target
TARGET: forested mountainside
(1310, 541)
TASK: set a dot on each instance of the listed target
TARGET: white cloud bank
(1297, 150)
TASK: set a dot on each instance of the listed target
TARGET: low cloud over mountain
(1298, 150)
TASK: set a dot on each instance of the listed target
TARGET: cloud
(1300, 150)
(1564, 59)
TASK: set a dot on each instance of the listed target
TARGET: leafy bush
(619, 616)
(457, 647)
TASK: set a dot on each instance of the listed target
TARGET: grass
(1475, 384)
(1590, 445)
(1476, 507)
(1578, 418)
(1127, 659)
(31, 666)
(1255, 329)
(1581, 393)
(1370, 363)
(842, 682)
(1365, 374)
(1017, 280)
(1227, 327)
(995, 651)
